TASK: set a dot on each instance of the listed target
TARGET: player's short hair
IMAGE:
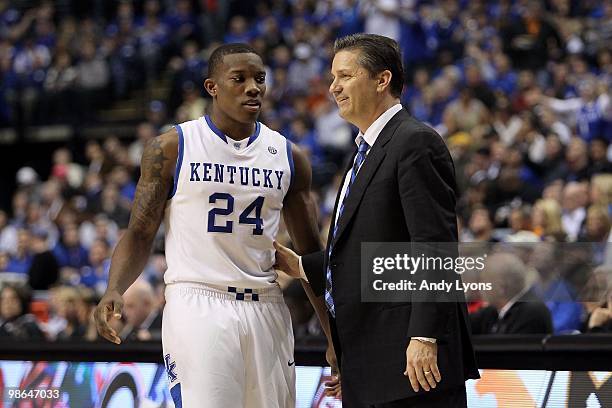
(378, 53)
(216, 58)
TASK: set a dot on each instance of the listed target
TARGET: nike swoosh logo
(290, 363)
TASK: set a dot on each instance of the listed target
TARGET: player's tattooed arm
(156, 180)
(132, 251)
(152, 190)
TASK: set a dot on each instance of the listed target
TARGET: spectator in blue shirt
(506, 78)
(557, 293)
(588, 110)
(20, 261)
(68, 251)
(95, 275)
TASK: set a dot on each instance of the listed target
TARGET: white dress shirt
(370, 136)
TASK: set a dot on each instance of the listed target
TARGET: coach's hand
(287, 260)
(422, 365)
(332, 387)
(110, 306)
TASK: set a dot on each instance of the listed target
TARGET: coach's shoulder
(417, 135)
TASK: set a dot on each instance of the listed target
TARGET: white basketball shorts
(228, 347)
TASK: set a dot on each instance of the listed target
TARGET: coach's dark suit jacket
(404, 191)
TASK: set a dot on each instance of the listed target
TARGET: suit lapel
(368, 169)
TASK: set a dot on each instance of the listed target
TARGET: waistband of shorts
(271, 294)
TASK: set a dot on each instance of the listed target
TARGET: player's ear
(211, 87)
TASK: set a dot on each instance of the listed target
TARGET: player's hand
(332, 387)
(287, 260)
(422, 365)
(110, 306)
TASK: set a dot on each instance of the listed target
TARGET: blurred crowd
(519, 90)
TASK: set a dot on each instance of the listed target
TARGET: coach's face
(353, 88)
(239, 86)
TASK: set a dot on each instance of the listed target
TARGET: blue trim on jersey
(179, 160)
(215, 129)
(219, 133)
(256, 134)
(291, 166)
(175, 392)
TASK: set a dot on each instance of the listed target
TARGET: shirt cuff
(427, 339)
(302, 273)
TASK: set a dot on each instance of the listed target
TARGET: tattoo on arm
(152, 190)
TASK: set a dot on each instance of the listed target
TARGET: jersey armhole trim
(179, 161)
(290, 159)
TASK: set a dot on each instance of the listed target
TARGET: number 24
(244, 217)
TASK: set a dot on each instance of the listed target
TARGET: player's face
(239, 86)
(352, 88)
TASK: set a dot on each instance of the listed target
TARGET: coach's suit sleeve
(427, 188)
(314, 265)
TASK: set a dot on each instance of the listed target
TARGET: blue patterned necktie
(361, 155)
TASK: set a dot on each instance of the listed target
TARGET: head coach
(400, 186)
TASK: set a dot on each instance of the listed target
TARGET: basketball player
(220, 183)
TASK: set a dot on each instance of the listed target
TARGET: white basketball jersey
(225, 207)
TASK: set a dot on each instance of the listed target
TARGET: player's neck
(230, 127)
